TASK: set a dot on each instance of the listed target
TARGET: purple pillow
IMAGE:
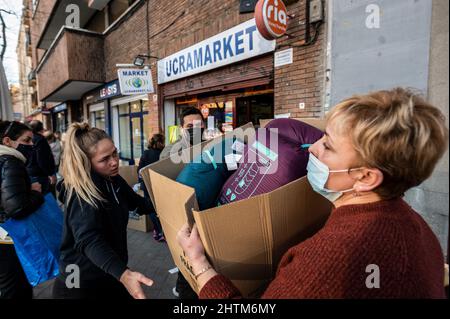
(265, 165)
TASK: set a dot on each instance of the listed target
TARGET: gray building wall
(409, 49)
(431, 199)
(368, 57)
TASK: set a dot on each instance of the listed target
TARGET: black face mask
(26, 150)
(195, 131)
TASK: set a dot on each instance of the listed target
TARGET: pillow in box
(296, 131)
(265, 166)
(207, 173)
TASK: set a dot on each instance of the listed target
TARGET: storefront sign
(135, 81)
(236, 44)
(271, 18)
(110, 90)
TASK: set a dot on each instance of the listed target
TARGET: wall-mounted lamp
(139, 60)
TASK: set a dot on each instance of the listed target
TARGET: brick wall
(301, 81)
(39, 19)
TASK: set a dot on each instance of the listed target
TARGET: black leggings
(108, 288)
(13, 281)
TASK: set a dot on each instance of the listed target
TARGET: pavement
(147, 256)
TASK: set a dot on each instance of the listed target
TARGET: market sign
(236, 44)
(271, 18)
(135, 81)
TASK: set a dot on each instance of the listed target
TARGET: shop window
(124, 131)
(254, 108)
(134, 129)
(61, 123)
(98, 119)
(222, 113)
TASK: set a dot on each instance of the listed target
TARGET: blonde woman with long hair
(97, 201)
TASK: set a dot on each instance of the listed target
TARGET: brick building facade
(74, 64)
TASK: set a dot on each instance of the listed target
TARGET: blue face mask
(318, 174)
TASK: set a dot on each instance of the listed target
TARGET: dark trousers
(100, 289)
(184, 289)
(13, 281)
(156, 223)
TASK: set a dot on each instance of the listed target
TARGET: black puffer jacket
(17, 198)
(95, 239)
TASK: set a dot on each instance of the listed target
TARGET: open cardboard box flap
(244, 240)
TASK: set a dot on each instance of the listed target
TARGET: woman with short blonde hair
(374, 245)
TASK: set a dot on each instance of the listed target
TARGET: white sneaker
(175, 292)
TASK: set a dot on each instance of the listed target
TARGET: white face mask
(318, 174)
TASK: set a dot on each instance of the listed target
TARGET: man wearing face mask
(192, 124)
(18, 199)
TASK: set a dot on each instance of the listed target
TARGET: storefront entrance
(130, 127)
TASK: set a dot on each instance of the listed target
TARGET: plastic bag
(37, 239)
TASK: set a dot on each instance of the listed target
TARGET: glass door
(137, 136)
(124, 132)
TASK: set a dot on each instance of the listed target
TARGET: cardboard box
(136, 222)
(244, 240)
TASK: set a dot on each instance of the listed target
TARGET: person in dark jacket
(97, 201)
(41, 167)
(18, 200)
(150, 156)
(192, 128)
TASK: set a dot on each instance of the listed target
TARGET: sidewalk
(147, 256)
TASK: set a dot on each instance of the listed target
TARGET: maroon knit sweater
(332, 263)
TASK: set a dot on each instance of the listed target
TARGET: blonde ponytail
(76, 163)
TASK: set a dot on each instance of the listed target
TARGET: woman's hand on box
(191, 243)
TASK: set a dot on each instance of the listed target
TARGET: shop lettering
(230, 46)
(274, 13)
(237, 44)
(110, 90)
(135, 72)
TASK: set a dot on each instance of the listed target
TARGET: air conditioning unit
(98, 4)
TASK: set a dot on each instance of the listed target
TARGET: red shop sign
(271, 18)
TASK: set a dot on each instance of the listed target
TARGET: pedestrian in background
(41, 166)
(55, 146)
(151, 155)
